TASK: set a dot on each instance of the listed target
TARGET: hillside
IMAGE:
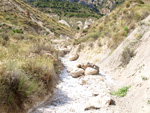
(76, 13)
(64, 8)
(28, 62)
(24, 14)
(46, 66)
(99, 6)
(113, 28)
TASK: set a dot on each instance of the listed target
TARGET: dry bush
(15, 87)
(127, 54)
(43, 70)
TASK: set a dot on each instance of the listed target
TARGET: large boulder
(73, 57)
(90, 71)
(77, 72)
(84, 66)
(98, 102)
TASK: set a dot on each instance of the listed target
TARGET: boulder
(84, 66)
(77, 72)
(98, 102)
(91, 71)
(73, 57)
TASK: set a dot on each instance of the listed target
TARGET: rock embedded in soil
(77, 72)
(98, 102)
(84, 66)
(91, 71)
(73, 57)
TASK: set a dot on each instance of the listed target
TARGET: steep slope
(24, 14)
(29, 65)
(112, 29)
(133, 72)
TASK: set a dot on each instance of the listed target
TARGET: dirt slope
(128, 65)
(135, 72)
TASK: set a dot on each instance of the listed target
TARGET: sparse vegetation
(119, 23)
(148, 102)
(17, 31)
(127, 54)
(28, 62)
(68, 9)
(121, 92)
(144, 78)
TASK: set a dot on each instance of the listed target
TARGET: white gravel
(72, 94)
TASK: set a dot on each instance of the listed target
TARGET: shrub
(17, 31)
(140, 1)
(126, 29)
(127, 4)
(78, 28)
(121, 92)
(15, 86)
(41, 46)
(4, 38)
(144, 78)
(43, 70)
(127, 54)
(148, 102)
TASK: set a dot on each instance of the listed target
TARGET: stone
(73, 57)
(77, 72)
(82, 82)
(98, 102)
(91, 71)
(84, 66)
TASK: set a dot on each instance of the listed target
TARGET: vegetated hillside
(64, 8)
(32, 17)
(75, 12)
(113, 28)
(99, 6)
(28, 62)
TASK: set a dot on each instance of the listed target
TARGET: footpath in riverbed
(74, 95)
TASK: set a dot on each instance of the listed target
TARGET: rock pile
(84, 69)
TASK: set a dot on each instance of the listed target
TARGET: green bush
(121, 92)
(17, 31)
(144, 78)
(126, 29)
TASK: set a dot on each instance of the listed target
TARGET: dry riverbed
(85, 94)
